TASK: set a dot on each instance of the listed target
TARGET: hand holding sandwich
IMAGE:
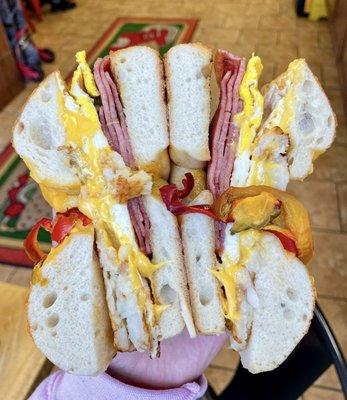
(124, 274)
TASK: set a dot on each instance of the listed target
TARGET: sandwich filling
(234, 126)
(224, 132)
(114, 127)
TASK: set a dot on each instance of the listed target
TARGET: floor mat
(21, 203)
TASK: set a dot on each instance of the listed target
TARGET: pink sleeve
(64, 386)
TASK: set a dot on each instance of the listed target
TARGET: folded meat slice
(223, 133)
(141, 224)
(114, 127)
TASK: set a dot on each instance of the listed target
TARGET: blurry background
(271, 29)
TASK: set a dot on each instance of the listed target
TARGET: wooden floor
(272, 30)
(21, 363)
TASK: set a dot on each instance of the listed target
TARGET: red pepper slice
(59, 228)
(62, 227)
(188, 185)
(172, 197)
(31, 245)
(64, 222)
(287, 243)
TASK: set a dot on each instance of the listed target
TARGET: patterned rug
(21, 203)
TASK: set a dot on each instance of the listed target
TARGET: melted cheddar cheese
(226, 272)
(249, 119)
(59, 200)
(139, 267)
(265, 167)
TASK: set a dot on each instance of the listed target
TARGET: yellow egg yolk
(88, 78)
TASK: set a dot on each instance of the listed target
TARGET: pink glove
(177, 374)
(182, 360)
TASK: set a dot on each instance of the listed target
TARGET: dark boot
(62, 5)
